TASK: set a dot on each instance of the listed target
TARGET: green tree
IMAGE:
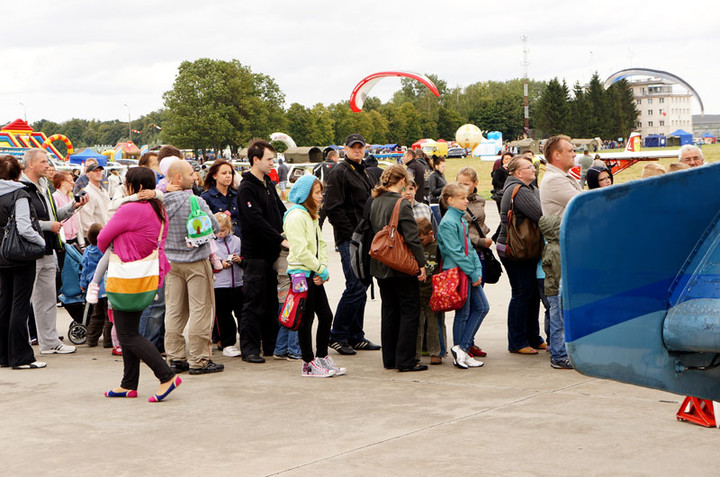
(323, 131)
(622, 109)
(598, 108)
(551, 112)
(380, 127)
(301, 124)
(578, 113)
(403, 124)
(279, 146)
(448, 123)
(218, 103)
(343, 121)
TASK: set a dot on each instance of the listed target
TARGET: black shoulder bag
(15, 248)
(493, 269)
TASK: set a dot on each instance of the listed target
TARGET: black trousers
(136, 348)
(227, 302)
(400, 318)
(16, 286)
(259, 321)
(316, 304)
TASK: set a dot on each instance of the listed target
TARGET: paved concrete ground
(514, 416)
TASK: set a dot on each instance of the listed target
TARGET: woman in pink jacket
(133, 232)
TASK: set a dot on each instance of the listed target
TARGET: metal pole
(24, 111)
(129, 123)
(526, 102)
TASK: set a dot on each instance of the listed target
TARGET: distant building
(662, 111)
(709, 123)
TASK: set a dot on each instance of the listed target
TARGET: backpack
(198, 226)
(360, 242)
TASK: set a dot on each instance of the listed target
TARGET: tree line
(216, 103)
(587, 112)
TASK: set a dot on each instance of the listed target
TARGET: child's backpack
(360, 242)
(198, 225)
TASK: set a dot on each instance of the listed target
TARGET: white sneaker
(329, 363)
(60, 349)
(472, 362)
(231, 352)
(315, 369)
(92, 293)
(33, 365)
(459, 357)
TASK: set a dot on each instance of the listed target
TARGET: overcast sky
(87, 59)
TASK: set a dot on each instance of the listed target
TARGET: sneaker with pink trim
(329, 363)
(315, 369)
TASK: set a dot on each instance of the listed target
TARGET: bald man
(189, 298)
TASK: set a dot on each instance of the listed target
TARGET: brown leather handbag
(524, 239)
(388, 246)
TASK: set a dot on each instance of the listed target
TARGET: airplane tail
(636, 313)
(633, 143)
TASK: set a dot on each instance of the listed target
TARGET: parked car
(456, 152)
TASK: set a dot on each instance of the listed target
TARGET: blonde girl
(456, 251)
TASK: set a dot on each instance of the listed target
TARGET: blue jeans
(557, 329)
(287, 343)
(435, 208)
(469, 317)
(152, 321)
(546, 305)
(350, 312)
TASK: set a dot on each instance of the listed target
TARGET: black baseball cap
(354, 139)
(93, 167)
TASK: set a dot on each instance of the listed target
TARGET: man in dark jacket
(373, 170)
(348, 188)
(417, 171)
(322, 170)
(261, 214)
(44, 295)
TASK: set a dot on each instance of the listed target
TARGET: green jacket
(308, 251)
(550, 228)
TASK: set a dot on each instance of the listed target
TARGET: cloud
(86, 59)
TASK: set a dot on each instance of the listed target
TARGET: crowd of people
(227, 255)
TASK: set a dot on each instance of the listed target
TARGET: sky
(88, 59)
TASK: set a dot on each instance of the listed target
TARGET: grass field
(711, 152)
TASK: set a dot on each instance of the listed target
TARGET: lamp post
(24, 111)
(129, 123)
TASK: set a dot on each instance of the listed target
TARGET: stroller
(72, 297)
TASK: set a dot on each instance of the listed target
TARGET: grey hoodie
(177, 206)
(22, 212)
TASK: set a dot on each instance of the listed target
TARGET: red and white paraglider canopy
(362, 89)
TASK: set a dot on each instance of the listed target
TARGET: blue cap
(301, 189)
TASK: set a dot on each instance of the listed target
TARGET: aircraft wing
(638, 155)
